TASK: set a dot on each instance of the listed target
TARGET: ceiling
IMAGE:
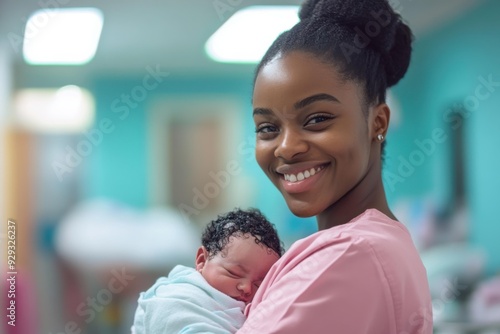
(172, 34)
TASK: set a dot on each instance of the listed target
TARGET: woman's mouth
(294, 182)
(300, 176)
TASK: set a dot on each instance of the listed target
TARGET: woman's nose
(290, 143)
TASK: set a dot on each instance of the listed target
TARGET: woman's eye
(266, 129)
(318, 119)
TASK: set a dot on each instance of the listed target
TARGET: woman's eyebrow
(301, 104)
(262, 111)
(314, 98)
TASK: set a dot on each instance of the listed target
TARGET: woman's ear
(201, 258)
(381, 116)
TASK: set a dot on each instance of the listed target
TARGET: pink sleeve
(338, 289)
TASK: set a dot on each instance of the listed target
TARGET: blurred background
(110, 166)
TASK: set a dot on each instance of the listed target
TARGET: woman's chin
(303, 210)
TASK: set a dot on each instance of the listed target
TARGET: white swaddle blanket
(184, 303)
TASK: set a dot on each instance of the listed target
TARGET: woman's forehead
(297, 75)
(296, 63)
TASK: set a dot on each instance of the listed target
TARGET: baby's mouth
(241, 300)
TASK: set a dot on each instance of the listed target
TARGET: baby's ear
(201, 258)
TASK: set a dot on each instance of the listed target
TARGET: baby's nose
(245, 287)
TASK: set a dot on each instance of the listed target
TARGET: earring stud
(380, 137)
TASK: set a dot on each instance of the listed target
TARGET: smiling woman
(324, 130)
(321, 121)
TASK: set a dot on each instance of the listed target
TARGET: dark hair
(365, 40)
(237, 223)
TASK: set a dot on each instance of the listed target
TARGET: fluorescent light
(63, 36)
(247, 35)
(64, 110)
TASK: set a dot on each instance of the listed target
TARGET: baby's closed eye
(232, 273)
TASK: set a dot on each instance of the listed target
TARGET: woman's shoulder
(369, 228)
(371, 235)
(371, 245)
(375, 228)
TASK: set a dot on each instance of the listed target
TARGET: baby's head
(238, 249)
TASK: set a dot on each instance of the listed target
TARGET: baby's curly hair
(237, 223)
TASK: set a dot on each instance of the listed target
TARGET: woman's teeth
(302, 175)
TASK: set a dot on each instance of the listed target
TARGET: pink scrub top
(365, 276)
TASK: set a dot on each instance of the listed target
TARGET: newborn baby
(238, 249)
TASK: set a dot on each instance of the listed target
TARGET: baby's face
(239, 269)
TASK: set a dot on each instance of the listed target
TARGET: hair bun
(374, 22)
(398, 57)
(307, 9)
(343, 12)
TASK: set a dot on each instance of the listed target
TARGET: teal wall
(118, 166)
(445, 69)
(116, 169)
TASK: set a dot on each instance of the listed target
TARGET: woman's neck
(367, 194)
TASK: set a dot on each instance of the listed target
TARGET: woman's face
(313, 140)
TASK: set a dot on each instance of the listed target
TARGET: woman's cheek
(263, 162)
